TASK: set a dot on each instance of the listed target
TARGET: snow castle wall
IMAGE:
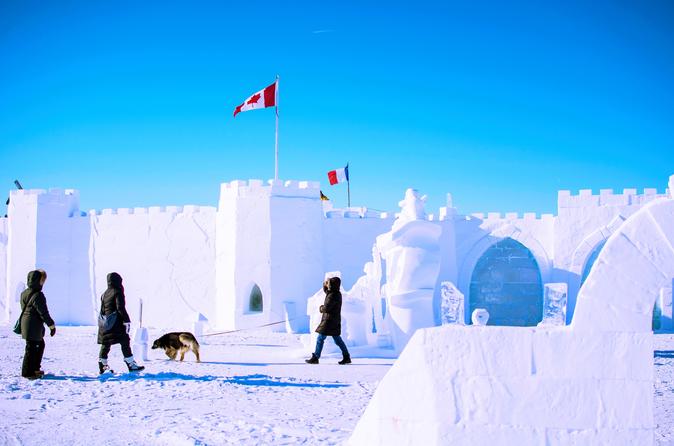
(274, 237)
(348, 239)
(3, 270)
(166, 256)
(586, 383)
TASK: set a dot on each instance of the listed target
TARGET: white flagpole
(276, 136)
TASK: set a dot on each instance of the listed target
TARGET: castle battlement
(357, 213)
(48, 194)
(272, 188)
(606, 197)
(509, 216)
(152, 210)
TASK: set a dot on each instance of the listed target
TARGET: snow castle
(259, 256)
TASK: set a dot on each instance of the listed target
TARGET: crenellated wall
(585, 221)
(276, 235)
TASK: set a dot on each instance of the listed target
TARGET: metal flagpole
(348, 185)
(276, 136)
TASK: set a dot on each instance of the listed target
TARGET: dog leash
(244, 329)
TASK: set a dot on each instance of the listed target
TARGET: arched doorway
(507, 282)
(255, 301)
(590, 261)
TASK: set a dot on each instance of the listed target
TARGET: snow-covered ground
(251, 388)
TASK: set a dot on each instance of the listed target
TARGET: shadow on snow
(265, 380)
(247, 380)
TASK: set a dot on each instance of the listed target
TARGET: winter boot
(103, 367)
(312, 360)
(345, 360)
(131, 364)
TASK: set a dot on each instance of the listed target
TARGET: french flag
(338, 175)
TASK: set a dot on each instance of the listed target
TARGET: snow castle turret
(269, 252)
(41, 235)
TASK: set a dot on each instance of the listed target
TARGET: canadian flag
(261, 99)
(338, 175)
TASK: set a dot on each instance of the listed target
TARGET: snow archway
(507, 282)
(590, 382)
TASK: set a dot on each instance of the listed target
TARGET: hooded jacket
(37, 314)
(331, 318)
(113, 300)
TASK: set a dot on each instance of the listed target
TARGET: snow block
(509, 385)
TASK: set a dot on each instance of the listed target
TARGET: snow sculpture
(554, 304)
(356, 308)
(590, 382)
(452, 305)
(480, 316)
(412, 253)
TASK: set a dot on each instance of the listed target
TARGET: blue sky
(500, 104)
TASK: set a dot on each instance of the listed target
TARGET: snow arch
(590, 382)
(637, 261)
(584, 250)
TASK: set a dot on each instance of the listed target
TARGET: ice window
(507, 282)
(255, 300)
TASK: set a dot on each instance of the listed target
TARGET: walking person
(113, 305)
(331, 321)
(34, 316)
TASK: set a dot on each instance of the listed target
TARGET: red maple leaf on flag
(253, 99)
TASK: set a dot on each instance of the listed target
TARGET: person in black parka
(34, 316)
(331, 321)
(113, 300)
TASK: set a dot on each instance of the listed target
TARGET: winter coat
(331, 319)
(37, 315)
(113, 300)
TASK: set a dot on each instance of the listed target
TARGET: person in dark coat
(331, 321)
(113, 301)
(34, 316)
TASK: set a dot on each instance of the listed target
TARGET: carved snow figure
(480, 316)
(452, 304)
(554, 304)
(356, 309)
(412, 254)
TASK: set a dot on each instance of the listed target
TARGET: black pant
(32, 359)
(126, 349)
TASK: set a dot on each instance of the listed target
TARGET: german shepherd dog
(175, 342)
